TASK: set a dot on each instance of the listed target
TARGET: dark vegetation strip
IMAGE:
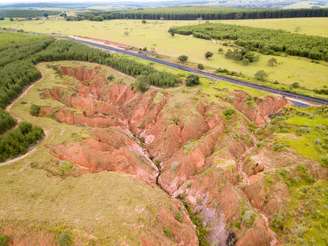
(26, 13)
(205, 13)
(266, 41)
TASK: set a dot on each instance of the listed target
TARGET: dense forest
(266, 41)
(25, 13)
(205, 13)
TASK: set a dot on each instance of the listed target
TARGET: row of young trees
(68, 50)
(18, 140)
(266, 41)
(205, 13)
(26, 13)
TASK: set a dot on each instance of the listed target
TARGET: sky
(63, 1)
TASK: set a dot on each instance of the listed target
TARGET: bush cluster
(17, 141)
(243, 55)
(6, 121)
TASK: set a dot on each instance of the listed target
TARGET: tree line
(204, 13)
(69, 50)
(26, 13)
(266, 41)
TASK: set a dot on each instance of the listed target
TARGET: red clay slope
(176, 139)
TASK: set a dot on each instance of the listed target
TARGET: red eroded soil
(176, 140)
(260, 110)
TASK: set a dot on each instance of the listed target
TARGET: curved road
(297, 99)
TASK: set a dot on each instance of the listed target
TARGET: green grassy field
(309, 26)
(154, 36)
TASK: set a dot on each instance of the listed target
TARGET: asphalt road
(297, 99)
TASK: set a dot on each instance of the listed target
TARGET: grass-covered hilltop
(158, 130)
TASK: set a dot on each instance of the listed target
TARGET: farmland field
(314, 26)
(132, 32)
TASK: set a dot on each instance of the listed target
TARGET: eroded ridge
(191, 147)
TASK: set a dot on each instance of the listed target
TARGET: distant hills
(103, 4)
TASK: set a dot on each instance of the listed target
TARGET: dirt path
(35, 147)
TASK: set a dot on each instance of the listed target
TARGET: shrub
(201, 229)
(179, 217)
(272, 62)
(192, 80)
(4, 240)
(200, 67)
(144, 22)
(141, 83)
(278, 147)
(64, 239)
(168, 232)
(229, 113)
(261, 75)
(208, 54)
(35, 110)
(111, 77)
(295, 85)
(183, 58)
(324, 161)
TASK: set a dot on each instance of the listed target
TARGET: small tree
(295, 85)
(46, 15)
(220, 50)
(183, 58)
(110, 77)
(4, 240)
(200, 66)
(35, 110)
(142, 83)
(192, 80)
(272, 62)
(261, 75)
(208, 54)
(144, 22)
(172, 32)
